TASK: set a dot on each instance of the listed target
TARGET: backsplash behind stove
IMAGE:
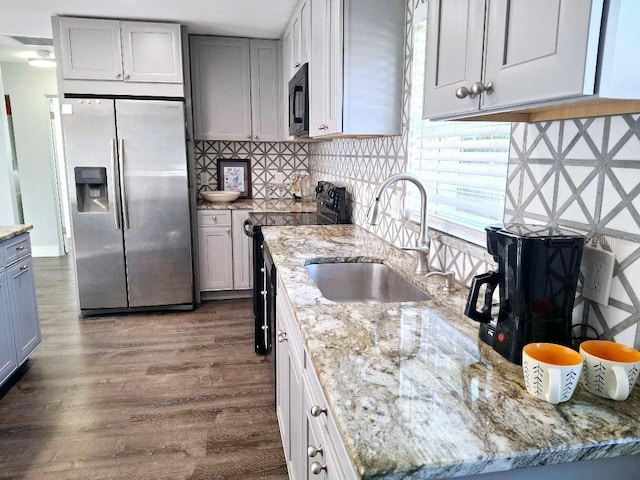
(268, 160)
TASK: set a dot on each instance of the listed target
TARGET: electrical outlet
(598, 266)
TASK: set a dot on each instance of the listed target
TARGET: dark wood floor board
(175, 395)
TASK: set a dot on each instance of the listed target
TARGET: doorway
(59, 169)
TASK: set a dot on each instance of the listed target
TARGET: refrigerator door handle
(114, 165)
(123, 191)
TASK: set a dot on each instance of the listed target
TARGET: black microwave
(299, 103)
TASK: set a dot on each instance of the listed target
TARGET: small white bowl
(220, 196)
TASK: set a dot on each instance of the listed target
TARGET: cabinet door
(90, 49)
(215, 258)
(8, 356)
(24, 309)
(325, 68)
(455, 34)
(287, 74)
(221, 88)
(151, 52)
(242, 251)
(560, 62)
(265, 96)
(289, 391)
(300, 34)
(282, 380)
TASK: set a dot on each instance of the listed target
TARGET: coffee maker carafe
(537, 274)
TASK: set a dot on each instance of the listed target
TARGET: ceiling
(243, 18)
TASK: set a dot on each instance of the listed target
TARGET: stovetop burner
(331, 208)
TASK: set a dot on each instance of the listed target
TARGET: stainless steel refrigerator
(129, 199)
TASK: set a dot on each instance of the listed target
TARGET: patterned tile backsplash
(584, 174)
(271, 162)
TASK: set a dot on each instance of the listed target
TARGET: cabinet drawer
(214, 218)
(16, 248)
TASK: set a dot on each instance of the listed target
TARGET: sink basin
(363, 282)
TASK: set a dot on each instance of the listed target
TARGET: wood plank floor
(145, 396)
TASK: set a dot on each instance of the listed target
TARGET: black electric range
(332, 207)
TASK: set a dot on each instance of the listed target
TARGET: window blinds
(463, 164)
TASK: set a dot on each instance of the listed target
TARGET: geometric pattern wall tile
(585, 174)
(270, 162)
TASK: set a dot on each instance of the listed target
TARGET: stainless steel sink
(363, 282)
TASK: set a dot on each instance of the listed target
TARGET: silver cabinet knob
(317, 468)
(214, 218)
(479, 88)
(24, 267)
(20, 248)
(297, 65)
(256, 137)
(118, 75)
(248, 137)
(126, 76)
(313, 451)
(282, 336)
(228, 230)
(464, 92)
(316, 411)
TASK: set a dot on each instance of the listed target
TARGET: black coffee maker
(537, 274)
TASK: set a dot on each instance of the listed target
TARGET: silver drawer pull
(317, 468)
(313, 451)
(20, 248)
(24, 267)
(316, 411)
(282, 336)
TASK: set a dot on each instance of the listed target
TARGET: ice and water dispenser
(91, 189)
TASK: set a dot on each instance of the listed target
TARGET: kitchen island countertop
(10, 231)
(413, 391)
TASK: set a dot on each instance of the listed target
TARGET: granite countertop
(10, 231)
(259, 205)
(412, 389)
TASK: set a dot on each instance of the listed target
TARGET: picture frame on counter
(235, 175)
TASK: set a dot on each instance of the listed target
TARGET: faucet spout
(423, 243)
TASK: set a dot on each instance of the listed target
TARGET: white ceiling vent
(34, 41)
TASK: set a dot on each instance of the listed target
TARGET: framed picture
(235, 175)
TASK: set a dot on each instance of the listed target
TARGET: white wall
(8, 210)
(28, 87)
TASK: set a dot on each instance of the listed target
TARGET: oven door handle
(247, 226)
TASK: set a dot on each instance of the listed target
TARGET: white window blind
(463, 165)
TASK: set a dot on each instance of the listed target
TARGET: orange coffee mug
(611, 369)
(551, 372)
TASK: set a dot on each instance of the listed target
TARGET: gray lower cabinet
(224, 251)
(313, 446)
(19, 322)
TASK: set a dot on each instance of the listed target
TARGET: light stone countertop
(259, 205)
(415, 393)
(10, 231)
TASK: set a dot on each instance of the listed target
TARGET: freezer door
(90, 144)
(155, 202)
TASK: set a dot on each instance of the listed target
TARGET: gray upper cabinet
(235, 88)
(501, 56)
(117, 57)
(457, 59)
(295, 53)
(356, 67)
(91, 49)
(95, 49)
(151, 52)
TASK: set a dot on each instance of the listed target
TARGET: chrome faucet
(423, 243)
